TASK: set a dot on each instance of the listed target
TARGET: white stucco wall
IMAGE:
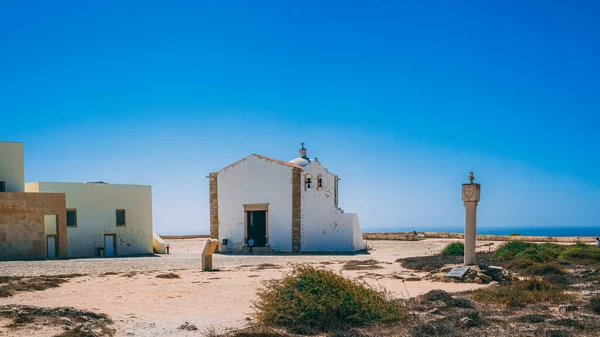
(324, 227)
(255, 181)
(12, 170)
(96, 205)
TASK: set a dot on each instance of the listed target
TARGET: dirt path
(142, 305)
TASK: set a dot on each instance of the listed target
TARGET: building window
(319, 182)
(2, 186)
(121, 221)
(307, 182)
(72, 217)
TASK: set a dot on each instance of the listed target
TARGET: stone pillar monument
(470, 197)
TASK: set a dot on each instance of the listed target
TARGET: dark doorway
(257, 227)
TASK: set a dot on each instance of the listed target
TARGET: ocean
(526, 231)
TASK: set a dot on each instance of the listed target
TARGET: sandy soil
(143, 305)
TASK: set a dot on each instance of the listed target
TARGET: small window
(2, 186)
(121, 217)
(72, 218)
(319, 182)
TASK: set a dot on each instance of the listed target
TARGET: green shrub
(309, 300)
(581, 251)
(514, 234)
(530, 251)
(511, 249)
(454, 249)
(520, 293)
(525, 266)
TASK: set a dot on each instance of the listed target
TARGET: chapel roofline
(263, 158)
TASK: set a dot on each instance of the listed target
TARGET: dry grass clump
(581, 252)
(168, 276)
(595, 304)
(520, 293)
(548, 252)
(435, 262)
(445, 298)
(528, 267)
(454, 249)
(82, 322)
(268, 266)
(309, 300)
(531, 318)
(11, 285)
(361, 265)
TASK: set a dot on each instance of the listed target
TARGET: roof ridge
(277, 161)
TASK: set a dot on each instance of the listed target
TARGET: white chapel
(283, 206)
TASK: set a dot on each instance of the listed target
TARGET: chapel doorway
(257, 227)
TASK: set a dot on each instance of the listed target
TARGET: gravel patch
(186, 254)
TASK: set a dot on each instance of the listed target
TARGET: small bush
(520, 293)
(595, 304)
(569, 322)
(443, 296)
(530, 251)
(454, 249)
(559, 281)
(362, 265)
(429, 263)
(557, 333)
(528, 267)
(167, 276)
(436, 295)
(581, 251)
(511, 249)
(514, 234)
(531, 318)
(310, 299)
(440, 327)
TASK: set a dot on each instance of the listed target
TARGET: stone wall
(214, 206)
(296, 210)
(22, 230)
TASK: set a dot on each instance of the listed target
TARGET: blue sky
(400, 99)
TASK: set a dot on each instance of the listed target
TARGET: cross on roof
(302, 144)
(471, 177)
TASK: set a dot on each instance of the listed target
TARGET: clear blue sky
(401, 99)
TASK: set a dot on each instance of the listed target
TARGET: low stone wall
(181, 237)
(443, 235)
(22, 228)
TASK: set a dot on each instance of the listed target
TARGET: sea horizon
(564, 231)
(587, 231)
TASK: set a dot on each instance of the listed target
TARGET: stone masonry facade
(22, 229)
(296, 210)
(214, 206)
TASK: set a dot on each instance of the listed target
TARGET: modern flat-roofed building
(104, 219)
(69, 220)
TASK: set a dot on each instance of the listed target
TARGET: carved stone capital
(470, 192)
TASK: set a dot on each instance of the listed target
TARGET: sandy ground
(143, 305)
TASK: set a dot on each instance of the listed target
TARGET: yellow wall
(11, 166)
